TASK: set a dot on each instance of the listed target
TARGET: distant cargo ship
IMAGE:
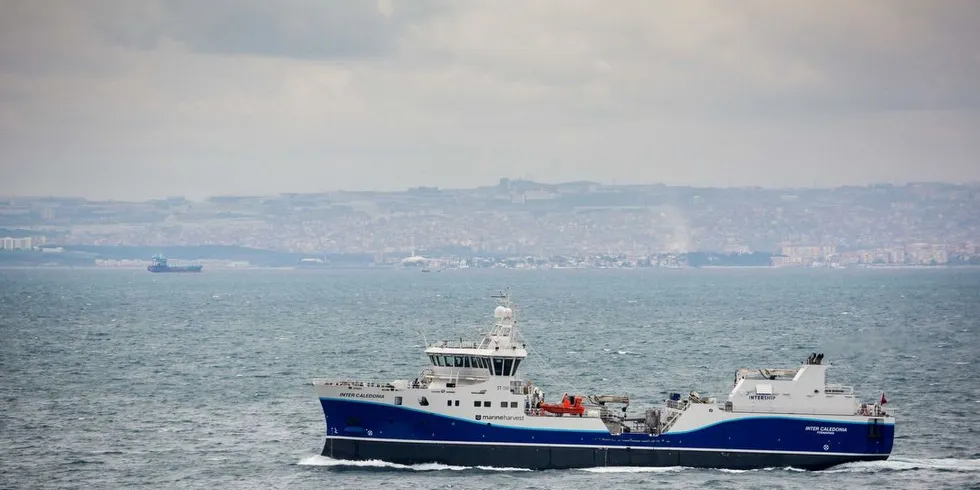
(160, 265)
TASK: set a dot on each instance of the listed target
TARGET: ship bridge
(498, 355)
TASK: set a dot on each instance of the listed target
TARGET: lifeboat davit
(571, 405)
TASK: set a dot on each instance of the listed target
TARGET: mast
(505, 333)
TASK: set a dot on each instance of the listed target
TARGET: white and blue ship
(471, 407)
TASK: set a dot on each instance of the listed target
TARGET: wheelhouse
(493, 365)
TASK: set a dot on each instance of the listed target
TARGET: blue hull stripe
(757, 434)
(516, 427)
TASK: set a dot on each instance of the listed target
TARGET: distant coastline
(232, 257)
(514, 219)
(211, 267)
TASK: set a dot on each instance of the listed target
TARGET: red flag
(882, 401)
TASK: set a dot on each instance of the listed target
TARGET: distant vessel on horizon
(160, 265)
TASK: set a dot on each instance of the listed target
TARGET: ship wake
(373, 464)
(951, 465)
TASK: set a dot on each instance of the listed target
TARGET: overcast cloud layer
(133, 99)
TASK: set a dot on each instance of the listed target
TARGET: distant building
(805, 255)
(10, 244)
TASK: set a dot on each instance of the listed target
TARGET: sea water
(118, 378)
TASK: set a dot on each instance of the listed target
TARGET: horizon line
(511, 180)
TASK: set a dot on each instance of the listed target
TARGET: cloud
(304, 29)
(250, 96)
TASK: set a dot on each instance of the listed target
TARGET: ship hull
(544, 457)
(363, 430)
(178, 269)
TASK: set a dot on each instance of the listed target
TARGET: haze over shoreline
(541, 183)
(566, 224)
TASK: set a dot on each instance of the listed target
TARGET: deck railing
(358, 385)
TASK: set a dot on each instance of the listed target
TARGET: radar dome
(500, 311)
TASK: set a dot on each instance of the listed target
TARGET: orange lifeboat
(569, 404)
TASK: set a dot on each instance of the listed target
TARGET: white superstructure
(482, 381)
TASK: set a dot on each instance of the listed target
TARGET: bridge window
(498, 366)
(458, 361)
(466, 362)
(517, 362)
(508, 365)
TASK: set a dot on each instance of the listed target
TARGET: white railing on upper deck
(445, 344)
(359, 385)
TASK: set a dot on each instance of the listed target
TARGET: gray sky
(133, 99)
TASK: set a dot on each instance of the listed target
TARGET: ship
(471, 406)
(159, 264)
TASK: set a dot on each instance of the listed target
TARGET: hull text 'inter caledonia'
(471, 407)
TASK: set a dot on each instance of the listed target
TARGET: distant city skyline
(141, 99)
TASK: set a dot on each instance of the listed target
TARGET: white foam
(374, 463)
(947, 464)
(634, 469)
(674, 469)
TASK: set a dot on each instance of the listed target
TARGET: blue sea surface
(118, 378)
